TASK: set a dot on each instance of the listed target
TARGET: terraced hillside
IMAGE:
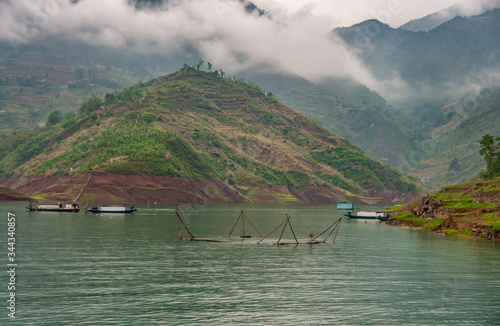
(195, 136)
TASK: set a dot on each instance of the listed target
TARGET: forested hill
(191, 125)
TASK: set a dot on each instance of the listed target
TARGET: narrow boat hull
(349, 215)
(98, 211)
(370, 216)
(33, 209)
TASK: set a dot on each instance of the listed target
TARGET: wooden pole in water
(271, 232)
(335, 225)
(234, 225)
(242, 224)
(329, 234)
(180, 219)
(338, 227)
(328, 228)
(251, 223)
(292, 229)
(180, 231)
(287, 221)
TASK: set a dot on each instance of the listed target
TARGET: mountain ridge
(428, 58)
(198, 126)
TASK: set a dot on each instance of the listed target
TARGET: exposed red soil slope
(107, 187)
(161, 189)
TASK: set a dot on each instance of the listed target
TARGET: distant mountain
(40, 79)
(349, 109)
(458, 141)
(435, 64)
(443, 69)
(7, 194)
(435, 70)
(432, 21)
(191, 136)
(249, 6)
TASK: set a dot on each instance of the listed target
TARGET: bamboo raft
(312, 240)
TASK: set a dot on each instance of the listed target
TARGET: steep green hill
(198, 126)
(349, 109)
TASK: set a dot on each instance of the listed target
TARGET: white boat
(34, 207)
(111, 209)
(369, 215)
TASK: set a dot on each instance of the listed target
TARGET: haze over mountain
(433, 20)
(458, 57)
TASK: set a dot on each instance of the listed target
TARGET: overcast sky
(221, 32)
(343, 13)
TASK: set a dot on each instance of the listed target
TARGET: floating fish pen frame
(191, 237)
(332, 228)
(243, 217)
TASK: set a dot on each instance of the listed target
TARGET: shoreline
(471, 209)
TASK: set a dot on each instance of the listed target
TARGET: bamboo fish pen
(333, 228)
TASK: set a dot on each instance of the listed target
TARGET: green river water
(85, 269)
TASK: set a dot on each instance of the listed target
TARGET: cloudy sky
(347, 13)
(219, 31)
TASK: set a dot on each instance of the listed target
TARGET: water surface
(83, 269)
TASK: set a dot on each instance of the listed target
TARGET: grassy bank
(470, 209)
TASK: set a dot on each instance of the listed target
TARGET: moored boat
(111, 209)
(34, 207)
(369, 215)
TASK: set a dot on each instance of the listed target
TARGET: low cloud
(219, 31)
(470, 8)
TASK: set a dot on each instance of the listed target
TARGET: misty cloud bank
(219, 31)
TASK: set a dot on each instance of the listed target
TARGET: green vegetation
(470, 208)
(495, 226)
(490, 151)
(51, 84)
(199, 126)
(91, 105)
(370, 174)
(55, 117)
(405, 216)
(418, 221)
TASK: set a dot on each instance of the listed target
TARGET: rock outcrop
(486, 197)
